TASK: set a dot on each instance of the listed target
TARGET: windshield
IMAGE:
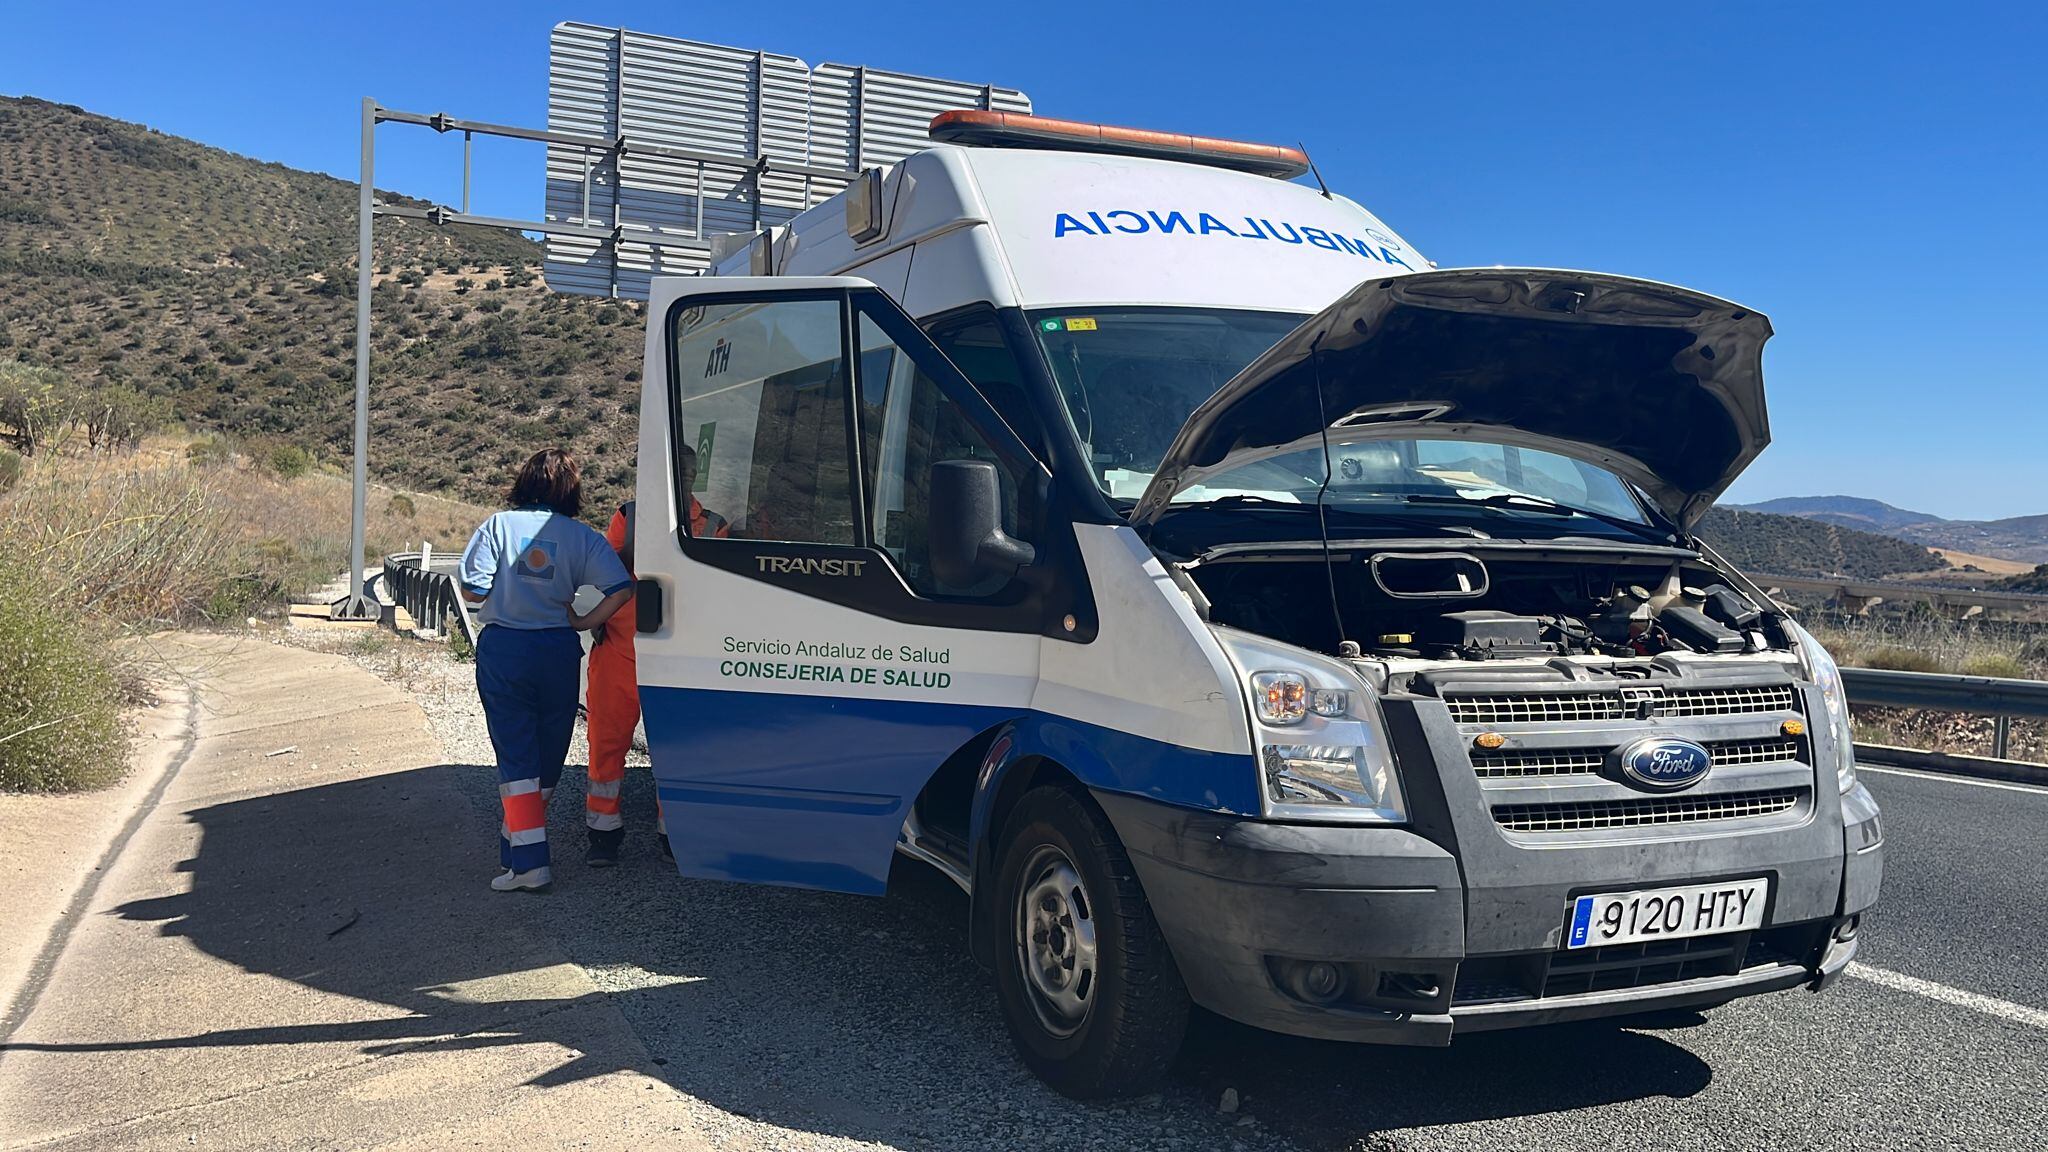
(1129, 377)
(1396, 473)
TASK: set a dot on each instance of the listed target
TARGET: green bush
(10, 469)
(118, 415)
(290, 461)
(60, 703)
(401, 505)
(211, 451)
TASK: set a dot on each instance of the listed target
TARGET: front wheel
(1088, 988)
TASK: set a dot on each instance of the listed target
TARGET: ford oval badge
(1665, 765)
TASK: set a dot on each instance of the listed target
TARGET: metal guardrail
(1862, 595)
(1994, 696)
(430, 596)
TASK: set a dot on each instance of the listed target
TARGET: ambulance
(1244, 612)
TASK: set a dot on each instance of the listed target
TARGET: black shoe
(667, 853)
(604, 848)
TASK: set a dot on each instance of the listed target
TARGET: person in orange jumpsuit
(612, 701)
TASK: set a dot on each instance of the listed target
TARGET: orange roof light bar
(1017, 130)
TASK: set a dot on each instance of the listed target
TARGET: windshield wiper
(1534, 504)
(1240, 498)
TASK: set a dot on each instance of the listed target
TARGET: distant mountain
(1796, 546)
(1848, 511)
(2023, 538)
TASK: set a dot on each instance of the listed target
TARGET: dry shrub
(61, 728)
(1997, 664)
(1901, 659)
(130, 539)
(102, 544)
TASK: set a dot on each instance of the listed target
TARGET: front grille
(1549, 708)
(1572, 707)
(1650, 962)
(1650, 810)
(1724, 701)
(1587, 761)
(1560, 762)
(1529, 976)
(1754, 751)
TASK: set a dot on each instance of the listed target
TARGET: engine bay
(1466, 606)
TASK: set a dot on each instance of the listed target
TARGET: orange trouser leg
(614, 708)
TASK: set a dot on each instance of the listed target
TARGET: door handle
(647, 603)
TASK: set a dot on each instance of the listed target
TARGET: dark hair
(550, 477)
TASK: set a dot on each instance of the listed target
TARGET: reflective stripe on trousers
(527, 680)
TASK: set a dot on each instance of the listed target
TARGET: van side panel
(958, 268)
(721, 757)
(1154, 670)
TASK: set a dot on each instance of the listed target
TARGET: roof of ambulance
(1076, 228)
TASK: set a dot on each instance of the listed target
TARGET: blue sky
(1872, 176)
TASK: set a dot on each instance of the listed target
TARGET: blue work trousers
(527, 679)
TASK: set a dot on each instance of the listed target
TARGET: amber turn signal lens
(1489, 740)
(1793, 727)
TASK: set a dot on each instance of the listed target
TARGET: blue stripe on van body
(811, 791)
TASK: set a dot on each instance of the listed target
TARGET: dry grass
(103, 545)
(1932, 644)
(146, 539)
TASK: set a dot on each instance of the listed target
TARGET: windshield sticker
(1378, 246)
(1081, 324)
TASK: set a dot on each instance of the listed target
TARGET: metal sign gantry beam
(599, 152)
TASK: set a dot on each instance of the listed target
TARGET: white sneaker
(534, 880)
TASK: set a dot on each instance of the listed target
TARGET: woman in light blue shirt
(524, 566)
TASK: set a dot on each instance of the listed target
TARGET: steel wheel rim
(1057, 951)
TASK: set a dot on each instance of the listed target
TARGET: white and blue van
(1244, 612)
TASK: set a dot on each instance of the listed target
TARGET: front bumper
(1260, 915)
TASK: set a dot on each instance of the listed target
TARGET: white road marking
(1989, 1005)
(2001, 785)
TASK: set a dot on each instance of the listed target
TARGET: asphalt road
(815, 1021)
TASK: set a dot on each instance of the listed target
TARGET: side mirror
(965, 533)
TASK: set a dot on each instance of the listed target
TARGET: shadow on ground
(855, 1017)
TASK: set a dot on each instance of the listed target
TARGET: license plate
(1666, 913)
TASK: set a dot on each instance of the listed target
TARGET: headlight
(1285, 698)
(1821, 669)
(1318, 733)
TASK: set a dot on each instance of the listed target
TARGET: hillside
(2035, 582)
(1793, 546)
(226, 287)
(2021, 538)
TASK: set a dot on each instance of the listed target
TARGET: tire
(1097, 1022)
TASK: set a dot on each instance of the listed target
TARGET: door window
(763, 412)
(908, 424)
(974, 343)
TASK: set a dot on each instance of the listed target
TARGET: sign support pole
(359, 606)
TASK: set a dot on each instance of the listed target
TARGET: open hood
(1659, 385)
